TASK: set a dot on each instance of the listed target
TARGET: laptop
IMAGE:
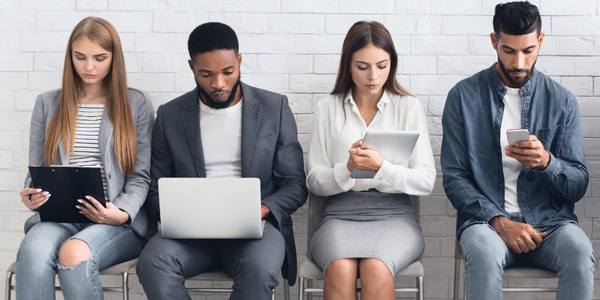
(210, 208)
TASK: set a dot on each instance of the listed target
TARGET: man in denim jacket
(515, 203)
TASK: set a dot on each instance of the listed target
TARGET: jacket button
(109, 176)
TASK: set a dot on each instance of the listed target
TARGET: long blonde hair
(63, 123)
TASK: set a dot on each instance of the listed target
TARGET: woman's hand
(34, 198)
(93, 210)
(363, 159)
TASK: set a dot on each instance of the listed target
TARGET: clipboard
(66, 184)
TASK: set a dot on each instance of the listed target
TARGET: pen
(30, 186)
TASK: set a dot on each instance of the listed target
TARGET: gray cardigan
(126, 192)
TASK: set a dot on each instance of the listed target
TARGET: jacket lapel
(251, 114)
(190, 115)
(105, 136)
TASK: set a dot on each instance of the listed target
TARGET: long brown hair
(360, 35)
(63, 123)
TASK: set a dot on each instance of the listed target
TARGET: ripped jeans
(37, 259)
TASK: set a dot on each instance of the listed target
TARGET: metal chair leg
(125, 286)
(420, 288)
(456, 278)
(286, 290)
(309, 284)
(300, 288)
(8, 287)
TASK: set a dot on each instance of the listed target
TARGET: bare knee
(343, 267)
(73, 252)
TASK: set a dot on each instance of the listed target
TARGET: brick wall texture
(293, 47)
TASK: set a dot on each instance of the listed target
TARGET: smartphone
(517, 135)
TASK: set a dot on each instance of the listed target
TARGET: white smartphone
(517, 135)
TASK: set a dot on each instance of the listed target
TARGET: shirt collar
(385, 98)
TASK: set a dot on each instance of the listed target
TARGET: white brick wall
(293, 47)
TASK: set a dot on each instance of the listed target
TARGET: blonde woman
(94, 119)
(369, 228)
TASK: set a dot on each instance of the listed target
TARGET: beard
(516, 81)
(219, 104)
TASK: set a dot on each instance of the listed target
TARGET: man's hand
(520, 237)
(530, 153)
(264, 211)
(363, 159)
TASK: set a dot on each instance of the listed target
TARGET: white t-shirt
(221, 133)
(511, 119)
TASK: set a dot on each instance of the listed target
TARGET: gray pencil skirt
(368, 225)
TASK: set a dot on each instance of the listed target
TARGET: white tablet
(393, 146)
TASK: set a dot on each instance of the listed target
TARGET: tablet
(393, 146)
(67, 184)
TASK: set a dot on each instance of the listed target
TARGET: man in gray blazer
(225, 128)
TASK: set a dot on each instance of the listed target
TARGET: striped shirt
(87, 151)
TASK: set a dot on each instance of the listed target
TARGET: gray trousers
(254, 264)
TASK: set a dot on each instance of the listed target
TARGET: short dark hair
(517, 18)
(210, 37)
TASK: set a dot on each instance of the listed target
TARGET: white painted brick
(359, 6)
(576, 45)
(53, 62)
(185, 82)
(301, 83)
(457, 7)
(13, 81)
(488, 6)
(546, 24)
(319, 44)
(556, 65)
(241, 22)
(248, 63)
(567, 8)
(419, 64)
(300, 104)
(58, 21)
(128, 21)
(196, 5)
(266, 43)
(151, 82)
(6, 160)
(589, 66)
(10, 5)
(296, 23)
(127, 41)
(465, 65)
(44, 81)
(46, 5)
(439, 45)
(11, 240)
(166, 63)
(596, 86)
(435, 106)
(16, 21)
(340, 24)
(44, 41)
(588, 106)
(579, 86)
(412, 7)
(575, 25)
(412, 25)
(404, 81)
(16, 61)
(467, 25)
(11, 140)
(327, 63)
(433, 84)
(178, 42)
(551, 45)
(8, 100)
(133, 62)
(177, 21)
(481, 45)
(92, 5)
(310, 6)
(136, 5)
(251, 6)
(284, 63)
(25, 101)
(401, 43)
(152, 42)
(162, 98)
(304, 123)
(11, 41)
(8, 181)
(14, 220)
(272, 82)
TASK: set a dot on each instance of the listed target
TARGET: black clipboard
(67, 184)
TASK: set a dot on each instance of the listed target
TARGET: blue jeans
(37, 259)
(566, 250)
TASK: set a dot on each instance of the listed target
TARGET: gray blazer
(126, 192)
(270, 151)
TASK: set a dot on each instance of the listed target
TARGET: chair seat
(211, 275)
(310, 270)
(112, 270)
(522, 271)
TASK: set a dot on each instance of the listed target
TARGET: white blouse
(337, 125)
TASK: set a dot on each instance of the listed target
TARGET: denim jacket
(471, 155)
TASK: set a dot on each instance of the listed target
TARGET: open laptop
(210, 208)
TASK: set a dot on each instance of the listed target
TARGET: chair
(518, 272)
(119, 269)
(220, 275)
(309, 270)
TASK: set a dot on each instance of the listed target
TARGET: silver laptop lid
(210, 208)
